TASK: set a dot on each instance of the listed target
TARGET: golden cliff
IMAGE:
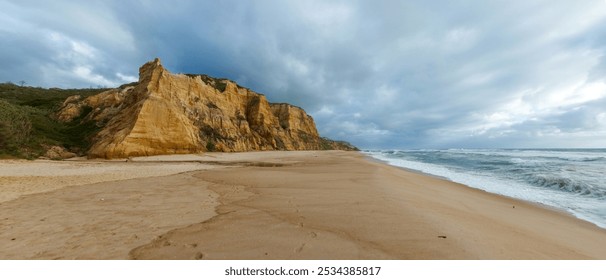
(166, 113)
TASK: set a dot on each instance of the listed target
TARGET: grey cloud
(377, 73)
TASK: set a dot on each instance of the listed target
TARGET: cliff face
(166, 113)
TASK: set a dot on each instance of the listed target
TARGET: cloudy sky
(380, 74)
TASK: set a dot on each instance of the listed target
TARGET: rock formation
(166, 113)
(57, 152)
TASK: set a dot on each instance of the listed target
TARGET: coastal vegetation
(27, 126)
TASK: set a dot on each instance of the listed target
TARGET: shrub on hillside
(15, 128)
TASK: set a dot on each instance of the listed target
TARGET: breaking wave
(569, 179)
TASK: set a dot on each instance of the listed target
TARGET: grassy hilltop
(27, 127)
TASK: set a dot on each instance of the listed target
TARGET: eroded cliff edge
(165, 113)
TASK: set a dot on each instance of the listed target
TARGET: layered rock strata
(165, 113)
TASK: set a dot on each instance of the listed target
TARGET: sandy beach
(269, 205)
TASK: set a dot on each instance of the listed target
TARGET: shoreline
(534, 203)
(287, 205)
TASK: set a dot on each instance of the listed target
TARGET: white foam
(586, 208)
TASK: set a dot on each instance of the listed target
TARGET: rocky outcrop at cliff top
(166, 113)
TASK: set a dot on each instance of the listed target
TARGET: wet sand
(274, 205)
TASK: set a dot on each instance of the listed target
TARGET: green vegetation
(27, 127)
(327, 144)
(210, 146)
(218, 84)
(15, 127)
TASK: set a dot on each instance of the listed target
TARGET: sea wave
(569, 179)
(565, 184)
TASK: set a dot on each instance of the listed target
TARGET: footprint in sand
(298, 250)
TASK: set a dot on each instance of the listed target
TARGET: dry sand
(22, 177)
(270, 205)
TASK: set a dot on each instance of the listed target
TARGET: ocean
(573, 180)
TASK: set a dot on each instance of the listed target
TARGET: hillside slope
(27, 124)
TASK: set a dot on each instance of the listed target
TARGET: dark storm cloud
(377, 73)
